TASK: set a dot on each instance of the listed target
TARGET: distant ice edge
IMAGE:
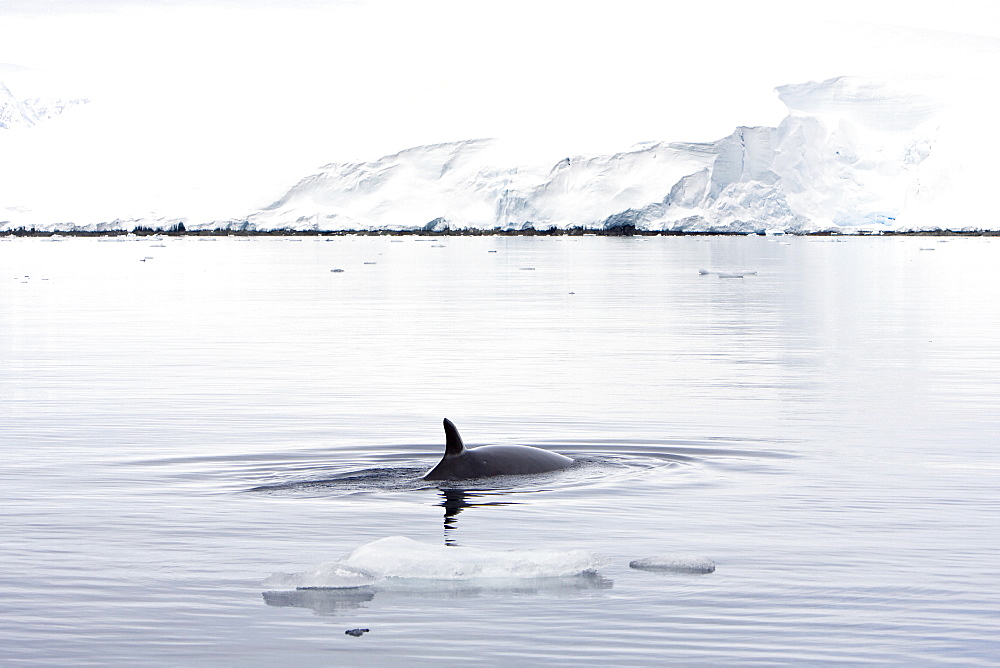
(851, 155)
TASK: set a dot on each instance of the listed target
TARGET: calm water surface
(180, 421)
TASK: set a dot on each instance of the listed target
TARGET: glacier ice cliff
(849, 154)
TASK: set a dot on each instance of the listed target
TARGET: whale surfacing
(460, 463)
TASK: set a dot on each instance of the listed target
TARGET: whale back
(460, 463)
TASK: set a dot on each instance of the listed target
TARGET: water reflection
(454, 501)
(323, 601)
(330, 602)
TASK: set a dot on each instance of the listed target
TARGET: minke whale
(460, 463)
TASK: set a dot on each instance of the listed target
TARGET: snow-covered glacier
(850, 154)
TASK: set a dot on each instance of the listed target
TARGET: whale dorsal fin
(453, 441)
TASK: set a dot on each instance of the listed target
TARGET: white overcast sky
(225, 100)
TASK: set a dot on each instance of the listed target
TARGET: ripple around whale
(584, 471)
(596, 463)
(389, 479)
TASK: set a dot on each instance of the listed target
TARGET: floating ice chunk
(723, 274)
(401, 557)
(398, 558)
(675, 563)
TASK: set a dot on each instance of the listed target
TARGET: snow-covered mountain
(850, 153)
(16, 113)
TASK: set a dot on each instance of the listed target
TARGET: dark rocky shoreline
(622, 231)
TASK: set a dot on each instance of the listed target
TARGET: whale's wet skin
(461, 463)
(593, 463)
(218, 455)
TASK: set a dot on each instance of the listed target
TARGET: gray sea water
(182, 419)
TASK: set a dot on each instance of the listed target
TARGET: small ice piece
(728, 275)
(704, 272)
(675, 564)
(371, 262)
(527, 268)
(337, 271)
(437, 245)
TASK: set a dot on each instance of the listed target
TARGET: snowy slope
(849, 154)
(13, 114)
(16, 113)
(469, 184)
